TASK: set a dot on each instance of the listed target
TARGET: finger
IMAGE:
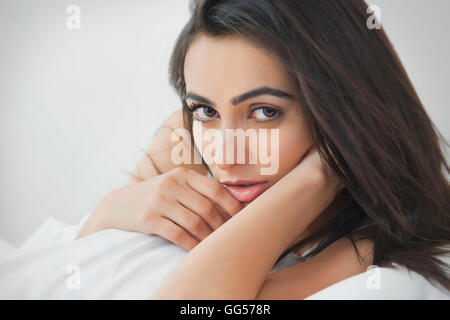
(175, 234)
(188, 220)
(202, 206)
(214, 191)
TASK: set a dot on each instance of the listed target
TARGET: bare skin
(155, 162)
(182, 205)
(178, 203)
(256, 237)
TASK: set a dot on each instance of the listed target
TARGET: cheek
(206, 140)
(293, 145)
(196, 133)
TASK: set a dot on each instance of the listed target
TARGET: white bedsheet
(114, 264)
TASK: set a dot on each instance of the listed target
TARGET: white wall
(419, 31)
(76, 105)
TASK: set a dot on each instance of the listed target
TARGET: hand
(181, 206)
(324, 185)
(299, 197)
(312, 166)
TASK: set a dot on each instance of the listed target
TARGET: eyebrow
(245, 96)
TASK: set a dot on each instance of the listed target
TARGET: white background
(76, 105)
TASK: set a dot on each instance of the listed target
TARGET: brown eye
(204, 113)
(269, 112)
(265, 113)
(209, 112)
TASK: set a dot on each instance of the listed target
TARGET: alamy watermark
(222, 149)
(373, 282)
(73, 281)
(374, 21)
(74, 19)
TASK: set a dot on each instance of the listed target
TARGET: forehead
(228, 66)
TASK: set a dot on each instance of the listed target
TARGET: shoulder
(157, 158)
(161, 148)
(162, 140)
(175, 120)
(335, 263)
(356, 255)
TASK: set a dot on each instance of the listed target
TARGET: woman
(360, 179)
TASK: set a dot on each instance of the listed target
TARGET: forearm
(234, 261)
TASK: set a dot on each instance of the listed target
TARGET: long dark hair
(364, 115)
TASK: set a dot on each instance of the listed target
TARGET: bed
(115, 264)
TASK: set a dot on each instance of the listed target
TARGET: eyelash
(194, 106)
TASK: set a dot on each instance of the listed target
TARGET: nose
(227, 150)
(225, 166)
(239, 147)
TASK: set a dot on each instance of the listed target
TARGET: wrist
(297, 201)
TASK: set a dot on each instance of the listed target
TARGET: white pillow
(110, 264)
(115, 264)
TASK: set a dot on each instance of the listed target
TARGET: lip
(245, 193)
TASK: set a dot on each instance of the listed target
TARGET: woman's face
(218, 70)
